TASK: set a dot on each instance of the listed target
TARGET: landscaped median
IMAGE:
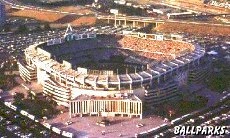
(32, 117)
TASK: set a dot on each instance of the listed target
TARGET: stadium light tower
(69, 29)
(115, 12)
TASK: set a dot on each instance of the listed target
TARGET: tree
(24, 125)
(18, 97)
(7, 28)
(30, 95)
(38, 28)
(47, 26)
(22, 29)
(2, 80)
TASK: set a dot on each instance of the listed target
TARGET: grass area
(179, 108)
(184, 107)
(52, 17)
(39, 108)
(75, 9)
(6, 81)
(84, 20)
(38, 15)
(52, 3)
(56, 18)
(220, 80)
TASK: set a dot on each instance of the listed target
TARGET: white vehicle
(69, 123)
(162, 134)
(192, 120)
(224, 115)
(175, 120)
(139, 125)
(202, 117)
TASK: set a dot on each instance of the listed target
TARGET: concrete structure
(2, 14)
(56, 65)
(124, 106)
(137, 21)
(130, 20)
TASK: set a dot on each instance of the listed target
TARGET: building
(153, 71)
(2, 14)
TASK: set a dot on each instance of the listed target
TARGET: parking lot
(124, 126)
(215, 115)
(13, 124)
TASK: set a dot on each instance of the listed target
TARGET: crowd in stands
(159, 50)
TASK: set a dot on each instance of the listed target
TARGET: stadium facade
(56, 65)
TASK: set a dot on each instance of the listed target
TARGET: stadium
(111, 74)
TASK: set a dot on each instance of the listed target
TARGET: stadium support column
(115, 21)
(130, 85)
(140, 77)
(95, 83)
(129, 109)
(66, 80)
(133, 23)
(119, 83)
(54, 74)
(70, 109)
(125, 22)
(141, 117)
(107, 81)
(83, 81)
(59, 77)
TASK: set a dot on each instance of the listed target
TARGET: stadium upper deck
(151, 49)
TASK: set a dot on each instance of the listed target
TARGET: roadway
(111, 17)
(152, 20)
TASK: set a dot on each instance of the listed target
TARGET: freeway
(152, 20)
